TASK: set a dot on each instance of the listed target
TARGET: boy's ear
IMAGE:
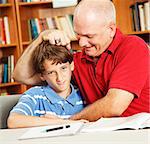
(41, 77)
(72, 66)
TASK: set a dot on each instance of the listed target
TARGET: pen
(57, 128)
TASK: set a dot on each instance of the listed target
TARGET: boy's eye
(50, 73)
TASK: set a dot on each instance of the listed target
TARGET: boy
(56, 99)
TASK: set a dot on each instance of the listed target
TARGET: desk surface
(10, 136)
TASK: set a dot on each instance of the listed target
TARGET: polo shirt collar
(55, 98)
(111, 49)
(116, 41)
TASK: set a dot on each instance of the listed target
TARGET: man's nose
(83, 42)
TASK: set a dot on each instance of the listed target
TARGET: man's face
(93, 37)
(58, 76)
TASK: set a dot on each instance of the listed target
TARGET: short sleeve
(26, 104)
(131, 66)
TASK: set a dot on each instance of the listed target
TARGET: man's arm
(24, 72)
(16, 120)
(113, 104)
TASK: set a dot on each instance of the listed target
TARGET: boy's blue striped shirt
(41, 100)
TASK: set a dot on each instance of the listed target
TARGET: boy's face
(58, 76)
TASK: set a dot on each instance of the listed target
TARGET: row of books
(4, 30)
(57, 3)
(3, 1)
(6, 69)
(37, 25)
(34, 0)
(3, 92)
(140, 12)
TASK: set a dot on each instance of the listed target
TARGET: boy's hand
(56, 37)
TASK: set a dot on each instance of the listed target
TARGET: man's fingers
(68, 46)
(57, 37)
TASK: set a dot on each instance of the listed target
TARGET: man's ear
(112, 28)
(72, 66)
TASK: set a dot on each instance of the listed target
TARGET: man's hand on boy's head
(56, 37)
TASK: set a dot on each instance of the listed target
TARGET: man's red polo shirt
(124, 65)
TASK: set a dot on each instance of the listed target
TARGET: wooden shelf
(26, 43)
(140, 32)
(5, 5)
(7, 45)
(33, 3)
(9, 84)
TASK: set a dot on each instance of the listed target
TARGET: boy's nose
(59, 76)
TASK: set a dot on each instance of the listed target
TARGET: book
(64, 3)
(11, 67)
(2, 31)
(7, 33)
(52, 130)
(132, 9)
(137, 121)
(3, 1)
(137, 17)
(147, 14)
(34, 31)
(142, 17)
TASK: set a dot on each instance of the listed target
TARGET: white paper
(39, 132)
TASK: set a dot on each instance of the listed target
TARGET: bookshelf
(19, 13)
(124, 18)
(29, 10)
(11, 47)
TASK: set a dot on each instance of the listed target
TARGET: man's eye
(90, 36)
(64, 67)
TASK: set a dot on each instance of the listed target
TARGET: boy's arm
(16, 120)
(24, 72)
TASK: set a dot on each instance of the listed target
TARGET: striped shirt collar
(53, 97)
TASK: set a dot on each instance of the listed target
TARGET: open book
(137, 121)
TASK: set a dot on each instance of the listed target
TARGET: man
(56, 99)
(112, 69)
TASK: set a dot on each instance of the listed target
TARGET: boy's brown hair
(47, 51)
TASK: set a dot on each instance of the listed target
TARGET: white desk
(10, 136)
